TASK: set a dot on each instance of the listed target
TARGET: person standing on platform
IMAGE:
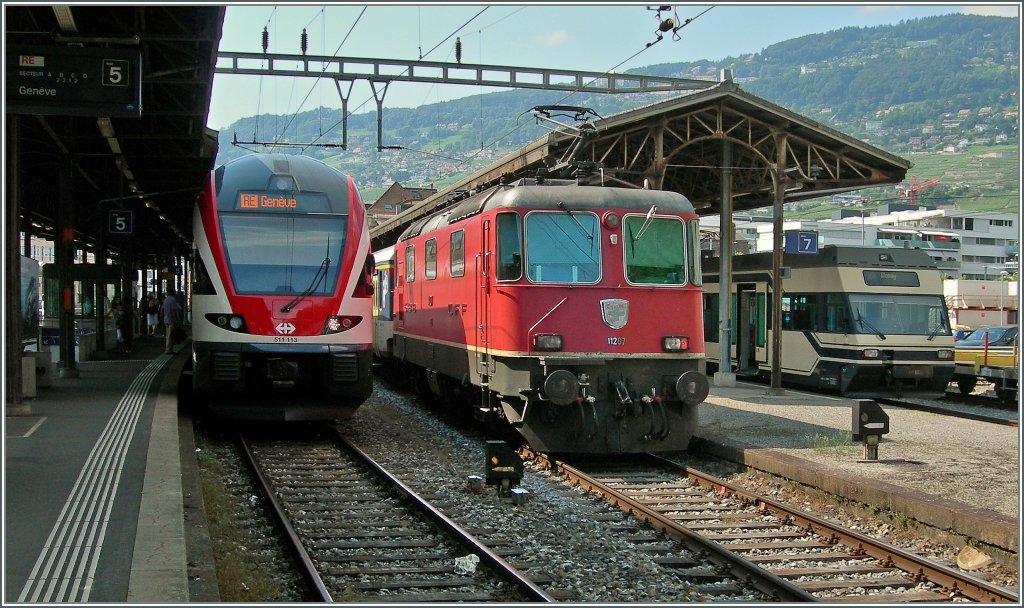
(170, 310)
(116, 312)
(152, 314)
(127, 325)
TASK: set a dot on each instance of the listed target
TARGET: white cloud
(991, 11)
(555, 38)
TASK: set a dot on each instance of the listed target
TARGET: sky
(586, 37)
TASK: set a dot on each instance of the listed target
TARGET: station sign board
(73, 81)
(119, 221)
(801, 241)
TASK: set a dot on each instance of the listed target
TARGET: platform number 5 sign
(119, 221)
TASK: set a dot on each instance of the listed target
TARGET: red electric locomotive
(574, 310)
(282, 293)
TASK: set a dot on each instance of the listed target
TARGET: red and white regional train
(282, 292)
(572, 312)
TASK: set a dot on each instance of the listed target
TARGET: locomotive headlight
(547, 342)
(336, 324)
(228, 322)
(672, 344)
(611, 221)
(870, 353)
(945, 354)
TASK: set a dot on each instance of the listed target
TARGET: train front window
(562, 247)
(898, 314)
(655, 250)
(283, 254)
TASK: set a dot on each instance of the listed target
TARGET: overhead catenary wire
(360, 106)
(581, 88)
(280, 134)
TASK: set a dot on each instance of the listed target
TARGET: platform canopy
(679, 144)
(151, 160)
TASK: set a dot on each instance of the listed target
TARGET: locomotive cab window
(510, 247)
(562, 247)
(654, 250)
(693, 251)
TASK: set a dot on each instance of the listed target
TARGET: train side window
(201, 283)
(799, 312)
(410, 264)
(458, 253)
(430, 259)
(837, 314)
(510, 247)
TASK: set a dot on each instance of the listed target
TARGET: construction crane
(910, 192)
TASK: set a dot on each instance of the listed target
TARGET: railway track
(360, 534)
(971, 413)
(784, 552)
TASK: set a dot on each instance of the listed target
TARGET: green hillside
(941, 92)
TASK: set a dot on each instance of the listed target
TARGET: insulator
(458, 50)
(266, 40)
(305, 40)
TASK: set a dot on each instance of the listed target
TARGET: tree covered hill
(919, 85)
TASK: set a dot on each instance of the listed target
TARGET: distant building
(395, 200)
(972, 245)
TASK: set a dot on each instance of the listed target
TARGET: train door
(750, 327)
(482, 308)
(746, 349)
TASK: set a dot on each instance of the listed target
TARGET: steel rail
(309, 571)
(949, 412)
(502, 567)
(759, 578)
(958, 582)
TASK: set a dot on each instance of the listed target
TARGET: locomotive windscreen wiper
(646, 224)
(864, 323)
(589, 236)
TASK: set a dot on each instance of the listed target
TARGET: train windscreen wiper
(321, 274)
(647, 223)
(589, 236)
(864, 323)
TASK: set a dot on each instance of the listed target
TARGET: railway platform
(956, 475)
(99, 494)
(93, 491)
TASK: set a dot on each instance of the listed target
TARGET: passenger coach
(864, 322)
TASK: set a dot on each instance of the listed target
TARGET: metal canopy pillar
(779, 180)
(64, 251)
(725, 376)
(12, 343)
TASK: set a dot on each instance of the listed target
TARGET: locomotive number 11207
(613, 341)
